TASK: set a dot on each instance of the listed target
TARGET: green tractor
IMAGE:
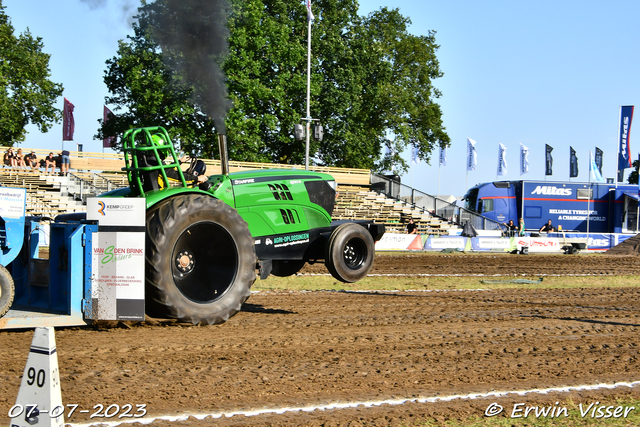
(205, 242)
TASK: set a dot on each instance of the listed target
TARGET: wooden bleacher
(358, 202)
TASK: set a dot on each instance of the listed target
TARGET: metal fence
(92, 187)
(427, 203)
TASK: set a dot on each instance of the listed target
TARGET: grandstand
(92, 174)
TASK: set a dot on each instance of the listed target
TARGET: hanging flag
(548, 170)
(524, 160)
(443, 156)
(598, 159)
(573, 163)
(472, 155)
(414, 156)
(593, 169)
(108, 141)
(310, 16)
(68, 124)
(624, 149)
(502, 160)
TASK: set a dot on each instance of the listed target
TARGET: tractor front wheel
(349, 252)
(200, 260)
(7, 290)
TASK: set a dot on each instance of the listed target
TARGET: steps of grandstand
(358, 202)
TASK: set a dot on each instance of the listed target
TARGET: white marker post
(39, 401)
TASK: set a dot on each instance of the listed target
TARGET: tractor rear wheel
(286, 268)
(349, 252)
(200, 260)
(7, 290)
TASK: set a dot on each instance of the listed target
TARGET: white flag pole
(306, 150)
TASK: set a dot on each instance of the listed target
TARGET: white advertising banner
(391, 242)
(12, 202)
(118, 258)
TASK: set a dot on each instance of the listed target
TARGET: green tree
(26, 93)
(371, 82)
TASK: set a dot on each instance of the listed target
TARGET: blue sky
(531, 72)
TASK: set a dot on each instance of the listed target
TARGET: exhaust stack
(224, 155)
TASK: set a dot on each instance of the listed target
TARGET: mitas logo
(548, 190)
(625, 132)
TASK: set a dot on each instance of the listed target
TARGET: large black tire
(7, 291)
(349, 252)
(286, 268)
(200, 260)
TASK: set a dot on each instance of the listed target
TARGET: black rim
(355, 253)
(204, 262)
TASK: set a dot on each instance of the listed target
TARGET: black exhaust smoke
(193, 35)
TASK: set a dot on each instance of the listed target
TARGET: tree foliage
(371, 84)
(26, 93)
(633, 176)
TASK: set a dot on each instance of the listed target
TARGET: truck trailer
(608, 213)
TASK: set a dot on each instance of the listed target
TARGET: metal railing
(427, 203)
(92, 187)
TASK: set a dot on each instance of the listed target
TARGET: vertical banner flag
(598, 159)
(109, 140)
(593, 169)
(548, 170)
(573, 163)
(310, 16)
(472, 155)
(414, 156)
(524, 159)
(443, 156)
(68, 124)
(502, 160)
(624, 149)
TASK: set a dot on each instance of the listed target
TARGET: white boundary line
(367, 404)
(467, 275)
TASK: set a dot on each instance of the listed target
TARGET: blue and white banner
(548, 164)
(502, 160)
(524, 159)
(472, 155)
(593, 168)
(573, 163)
(443, 156)
(624, 149)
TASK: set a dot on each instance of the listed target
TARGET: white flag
(524, 160)
(414, 156)
(443, 156)
(310, 16)
(472, 156)
(502, 160)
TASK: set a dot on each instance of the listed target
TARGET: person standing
(412, 228)
(64, 162)
(521, 232)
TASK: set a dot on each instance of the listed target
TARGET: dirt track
(298, 348)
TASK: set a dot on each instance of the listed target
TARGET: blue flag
(624, 149)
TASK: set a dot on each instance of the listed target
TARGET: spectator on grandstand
(10, 158)
(20, 159)
(64, 162)
(49, 161)
(411, 227)
(547, 228)
(31, 160)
